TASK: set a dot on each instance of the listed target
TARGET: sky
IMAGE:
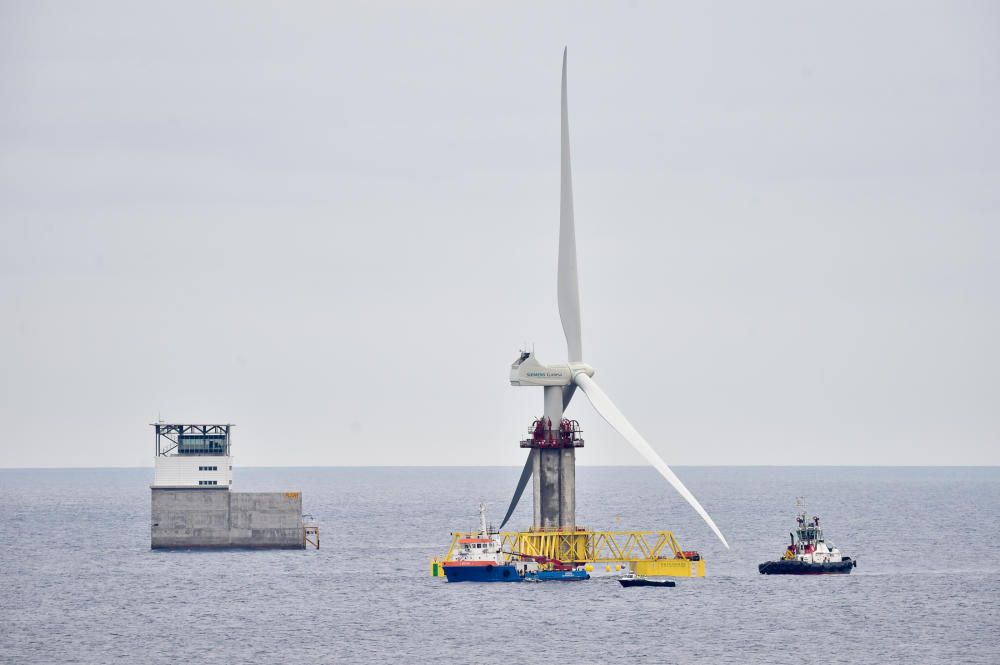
(335, 225)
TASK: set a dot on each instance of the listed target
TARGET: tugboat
(809, 554)
(480, 559)
(631, 579)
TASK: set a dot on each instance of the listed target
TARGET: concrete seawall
(185, 518)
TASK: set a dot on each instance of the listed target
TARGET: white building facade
(192, 456)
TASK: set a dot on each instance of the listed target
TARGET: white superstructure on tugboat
(809, 552)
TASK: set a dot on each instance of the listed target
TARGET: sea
(79, 583)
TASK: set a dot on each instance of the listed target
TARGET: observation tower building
(193, 505)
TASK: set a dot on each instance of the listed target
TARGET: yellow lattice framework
(649, 552)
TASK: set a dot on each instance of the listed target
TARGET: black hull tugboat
(809, 553)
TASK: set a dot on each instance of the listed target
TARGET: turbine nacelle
(527, 371)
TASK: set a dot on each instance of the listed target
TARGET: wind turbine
(552, 458)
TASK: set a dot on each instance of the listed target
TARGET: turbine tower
(551, 459)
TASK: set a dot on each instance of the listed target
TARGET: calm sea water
(79, 584)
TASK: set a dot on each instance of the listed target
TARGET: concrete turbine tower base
(554, 474)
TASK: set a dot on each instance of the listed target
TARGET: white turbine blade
(521, 484)
(604, 406)
(568, 286)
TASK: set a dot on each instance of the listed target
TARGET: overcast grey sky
(334, 224)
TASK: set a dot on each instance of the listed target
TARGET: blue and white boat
(480, 559)
(574, 575)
